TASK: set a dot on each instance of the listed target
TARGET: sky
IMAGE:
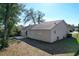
(58, 11)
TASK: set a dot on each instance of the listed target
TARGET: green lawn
(71, 45)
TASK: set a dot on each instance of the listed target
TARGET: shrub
(1, 33)
(3, 44)
(15, 32)
(18, 33)
(77, 53)
(71, 30)
(69, 35)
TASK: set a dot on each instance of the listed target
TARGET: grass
(12, 41)
(64, 47)
(19, 48)
(71, 45)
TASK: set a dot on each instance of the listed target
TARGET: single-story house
(49, 31)
(24, 30)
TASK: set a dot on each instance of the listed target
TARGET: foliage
(3, 44)
(9, 16)
(40, 16)
(77, 53)
(69, 35)
(1, 32)
(35, 16)
(15, 31)
(77, 36)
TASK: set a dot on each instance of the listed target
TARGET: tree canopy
(35, 16)
(9, 16)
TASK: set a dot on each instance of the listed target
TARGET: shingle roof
(46, 25)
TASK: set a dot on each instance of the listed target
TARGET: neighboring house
(49, 31)
(76, 28)
(71, 28)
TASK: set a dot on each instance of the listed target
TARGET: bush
(1, 33)
(18, 33)
(77, 53)
(71, 30)
(69, 35)
(3, 44)
(15, 32)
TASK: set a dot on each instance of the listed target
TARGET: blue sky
(56, 11)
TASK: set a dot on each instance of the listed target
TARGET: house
(76, 28)
(49, 31)
(24, 30)
(71, 28)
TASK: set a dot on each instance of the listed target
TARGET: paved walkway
(19, 37)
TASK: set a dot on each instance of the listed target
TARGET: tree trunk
(6, 22)
(33, 20)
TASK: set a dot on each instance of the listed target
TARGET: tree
(77, 53)
(35, 16)
(30, 15)
(40, 16)
(9, 16)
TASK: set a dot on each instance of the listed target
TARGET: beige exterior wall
(60, 30)
(43, 35)
(49, 35)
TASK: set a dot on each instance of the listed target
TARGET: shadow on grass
(66, 45)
